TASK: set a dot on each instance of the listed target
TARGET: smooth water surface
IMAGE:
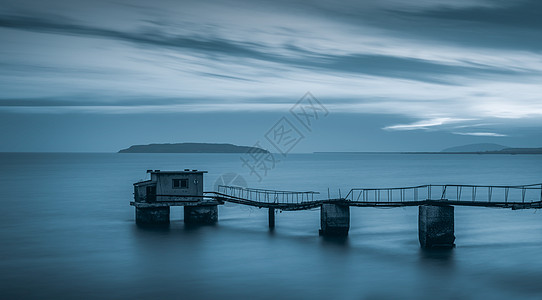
(67, 231)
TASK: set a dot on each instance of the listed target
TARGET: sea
(67, 231)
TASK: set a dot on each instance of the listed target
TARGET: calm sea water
(67, 231)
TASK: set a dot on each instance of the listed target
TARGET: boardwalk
(262, 198)
(515, 197)
(154, 197)
(436, 204)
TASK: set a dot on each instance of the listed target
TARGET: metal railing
(451, 192)
(267, 196)
(492, 195)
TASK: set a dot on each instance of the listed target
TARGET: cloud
(481, 134)
(425, 124)
(523, 14)
(412, 68)
(150, 109)
(61, 25)
(364, 57)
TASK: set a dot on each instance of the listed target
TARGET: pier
(153, 199)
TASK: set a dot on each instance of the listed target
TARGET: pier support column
(201, 215)
(152, 215)
(334, 219)
(271, 218)
(436, 226)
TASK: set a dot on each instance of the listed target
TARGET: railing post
(390, 195)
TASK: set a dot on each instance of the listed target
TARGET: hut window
(180, 183)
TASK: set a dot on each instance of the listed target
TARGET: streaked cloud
(481, 134)
(421, 60)
(425, 124)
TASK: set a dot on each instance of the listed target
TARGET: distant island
(503, 151)
(485, 149)
(192, 148)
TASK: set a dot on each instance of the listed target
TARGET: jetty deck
(153, 199)
(514, 197)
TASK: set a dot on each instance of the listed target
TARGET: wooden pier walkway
(154, 197)
(436, 204)
(515, 197)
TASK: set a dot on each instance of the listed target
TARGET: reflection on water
(439, 257)
(159, 227)
(340, 241)
(68, 232)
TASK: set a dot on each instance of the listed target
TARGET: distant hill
(191, 148)
(517, 151)
(476, 148)
(488, 149)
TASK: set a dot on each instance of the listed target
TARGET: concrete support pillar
(436, 226)
(152, 215)
(334, 219)
(271, 218)
(201, 215)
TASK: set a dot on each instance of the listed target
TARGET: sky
(388, 75)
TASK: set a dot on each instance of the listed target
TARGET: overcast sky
(393, 75)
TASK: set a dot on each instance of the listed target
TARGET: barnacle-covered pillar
(334, 219)
(436, 226)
